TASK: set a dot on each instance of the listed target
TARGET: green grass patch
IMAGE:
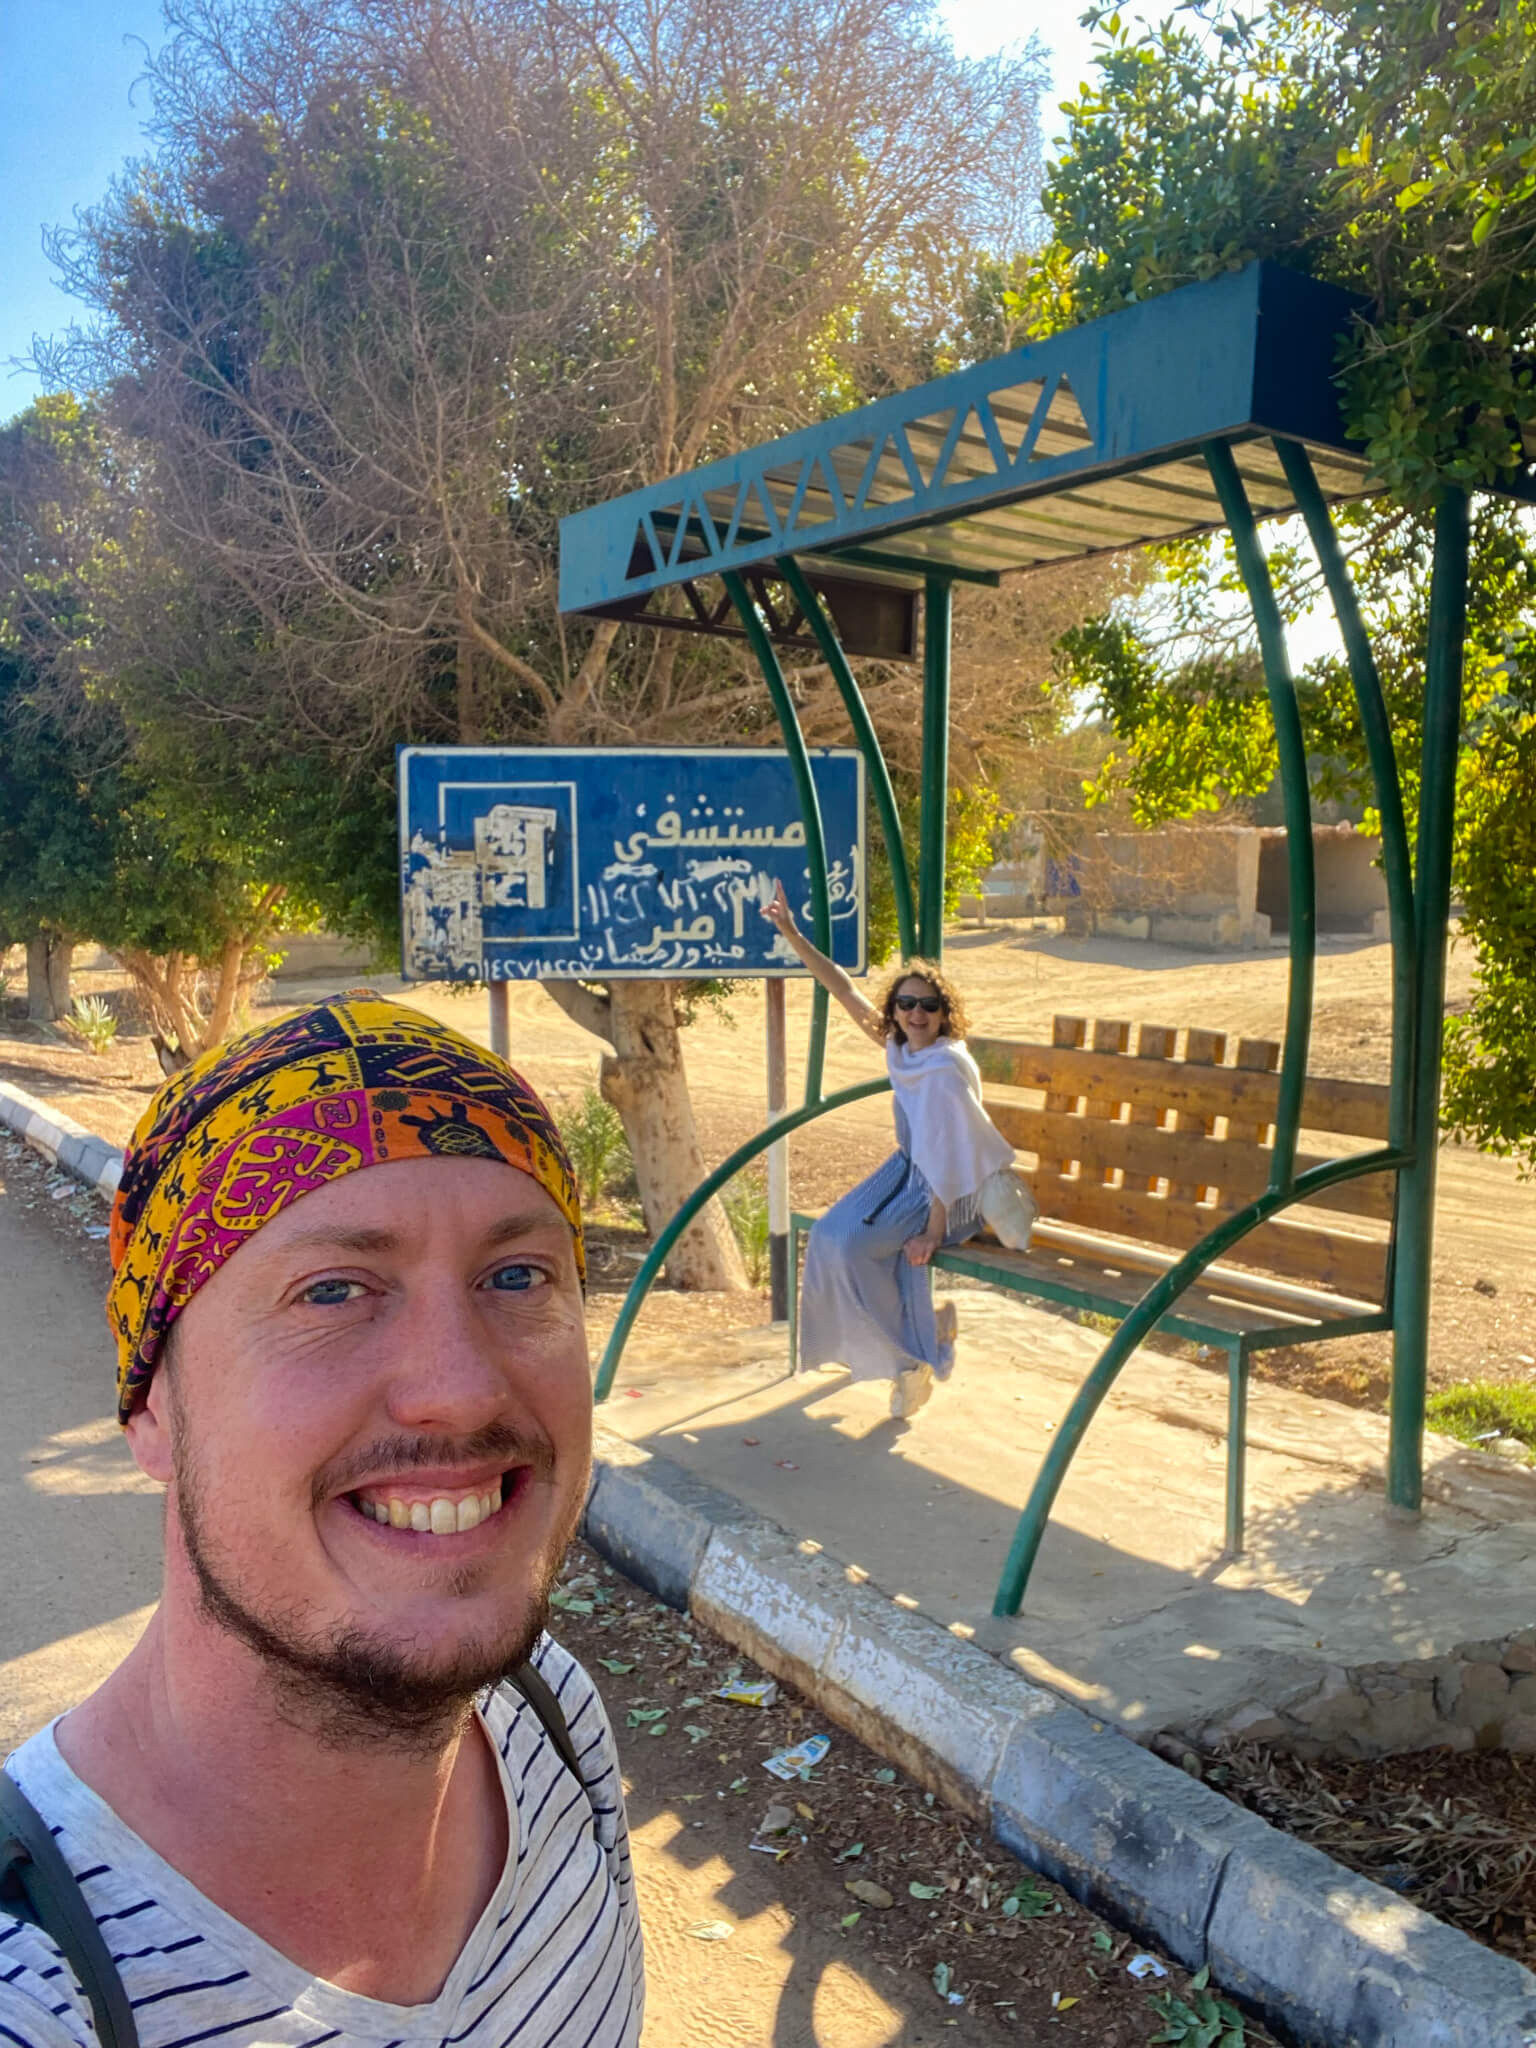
(1479, 1407)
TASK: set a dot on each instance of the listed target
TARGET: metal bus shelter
(1214, 406)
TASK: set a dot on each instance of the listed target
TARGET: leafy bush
(975, 822)
(746, 1204)
(92, 1020)
(1479, 1407)
(593, 1132)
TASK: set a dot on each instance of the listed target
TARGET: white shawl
(954, 1143)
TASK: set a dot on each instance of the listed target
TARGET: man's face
(377, 1436)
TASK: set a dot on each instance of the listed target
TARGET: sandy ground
(1016, 977)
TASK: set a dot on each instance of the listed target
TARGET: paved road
(79, 1530)
(79, 1527)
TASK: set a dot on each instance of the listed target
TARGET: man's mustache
(390, 1457)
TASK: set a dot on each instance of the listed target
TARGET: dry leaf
(868, 1893)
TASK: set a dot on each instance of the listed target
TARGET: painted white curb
(62, 1141)
(1333, 1959)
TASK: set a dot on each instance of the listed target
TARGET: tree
(1390, 149)
(90, 844)
(406, 281)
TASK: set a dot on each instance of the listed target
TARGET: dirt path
(1016, 978)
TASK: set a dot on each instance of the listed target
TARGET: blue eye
(516, 1279)
(329, 1293)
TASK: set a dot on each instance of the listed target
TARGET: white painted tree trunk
(644, 1080)
(49, 959)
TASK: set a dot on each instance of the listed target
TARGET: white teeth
(439, 1517)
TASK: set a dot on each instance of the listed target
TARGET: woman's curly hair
(953, 1021)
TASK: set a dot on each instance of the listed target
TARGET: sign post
(501, 1027)
(778, 1157)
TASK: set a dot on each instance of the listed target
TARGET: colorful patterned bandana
(258, 1123)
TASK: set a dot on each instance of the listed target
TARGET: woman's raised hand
(778, 912)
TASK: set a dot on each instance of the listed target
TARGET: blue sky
(72, 118)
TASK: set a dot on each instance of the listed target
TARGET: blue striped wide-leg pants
(861, 1303)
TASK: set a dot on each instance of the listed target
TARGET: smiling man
(347, 1301)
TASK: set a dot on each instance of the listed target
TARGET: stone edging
(1327, 1956)
(62, 1141)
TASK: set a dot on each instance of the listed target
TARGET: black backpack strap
(38, 1886)
(535, 1689)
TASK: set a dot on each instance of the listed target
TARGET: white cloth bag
(1009, 1207)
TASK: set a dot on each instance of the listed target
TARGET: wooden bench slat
(1255, 1056)
(1350, 1108)
(1124, 1286)
(1113, 1287)
(1111, 1036)
(1353, 1265)
(1202, 1048)
(1065, 1032)
(1153, 1042)
(1186, 1160)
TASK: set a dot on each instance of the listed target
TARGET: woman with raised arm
(867, 1297)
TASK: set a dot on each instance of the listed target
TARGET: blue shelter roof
(1085, 442)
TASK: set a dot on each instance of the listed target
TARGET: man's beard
(346, 1685)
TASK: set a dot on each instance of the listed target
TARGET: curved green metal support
(868, 744)
(706, 1190)
(934, 819)
(1138, 1324)
(810, 811)
(1396, 863)
(1415, 1223)
(1281, 690)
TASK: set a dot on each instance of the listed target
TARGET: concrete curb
(1328, 1957)
(62, 1142)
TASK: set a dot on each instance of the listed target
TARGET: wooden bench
(1136, 1142)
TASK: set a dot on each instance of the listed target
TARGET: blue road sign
(524, 864)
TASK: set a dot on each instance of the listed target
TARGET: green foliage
(593, 1133)
(1199, 733)
(974, 825)
(1388, 146)
(1490, 1050)
(1204, 2021)
(1028, 1900)
(93, 1022)
(746, 1204)
(99, 836)
(1479, 1408)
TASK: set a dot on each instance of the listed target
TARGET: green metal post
(868, 744)
(706, 1190)
(810, 812)
(930, 863)
(1432, 907)
(1376, 725)
(1237, 1446)
(1292, 748)
(1139, 1323)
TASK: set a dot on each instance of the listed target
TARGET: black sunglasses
(932, 1004)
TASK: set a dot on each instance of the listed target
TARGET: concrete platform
(1342, 1627)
